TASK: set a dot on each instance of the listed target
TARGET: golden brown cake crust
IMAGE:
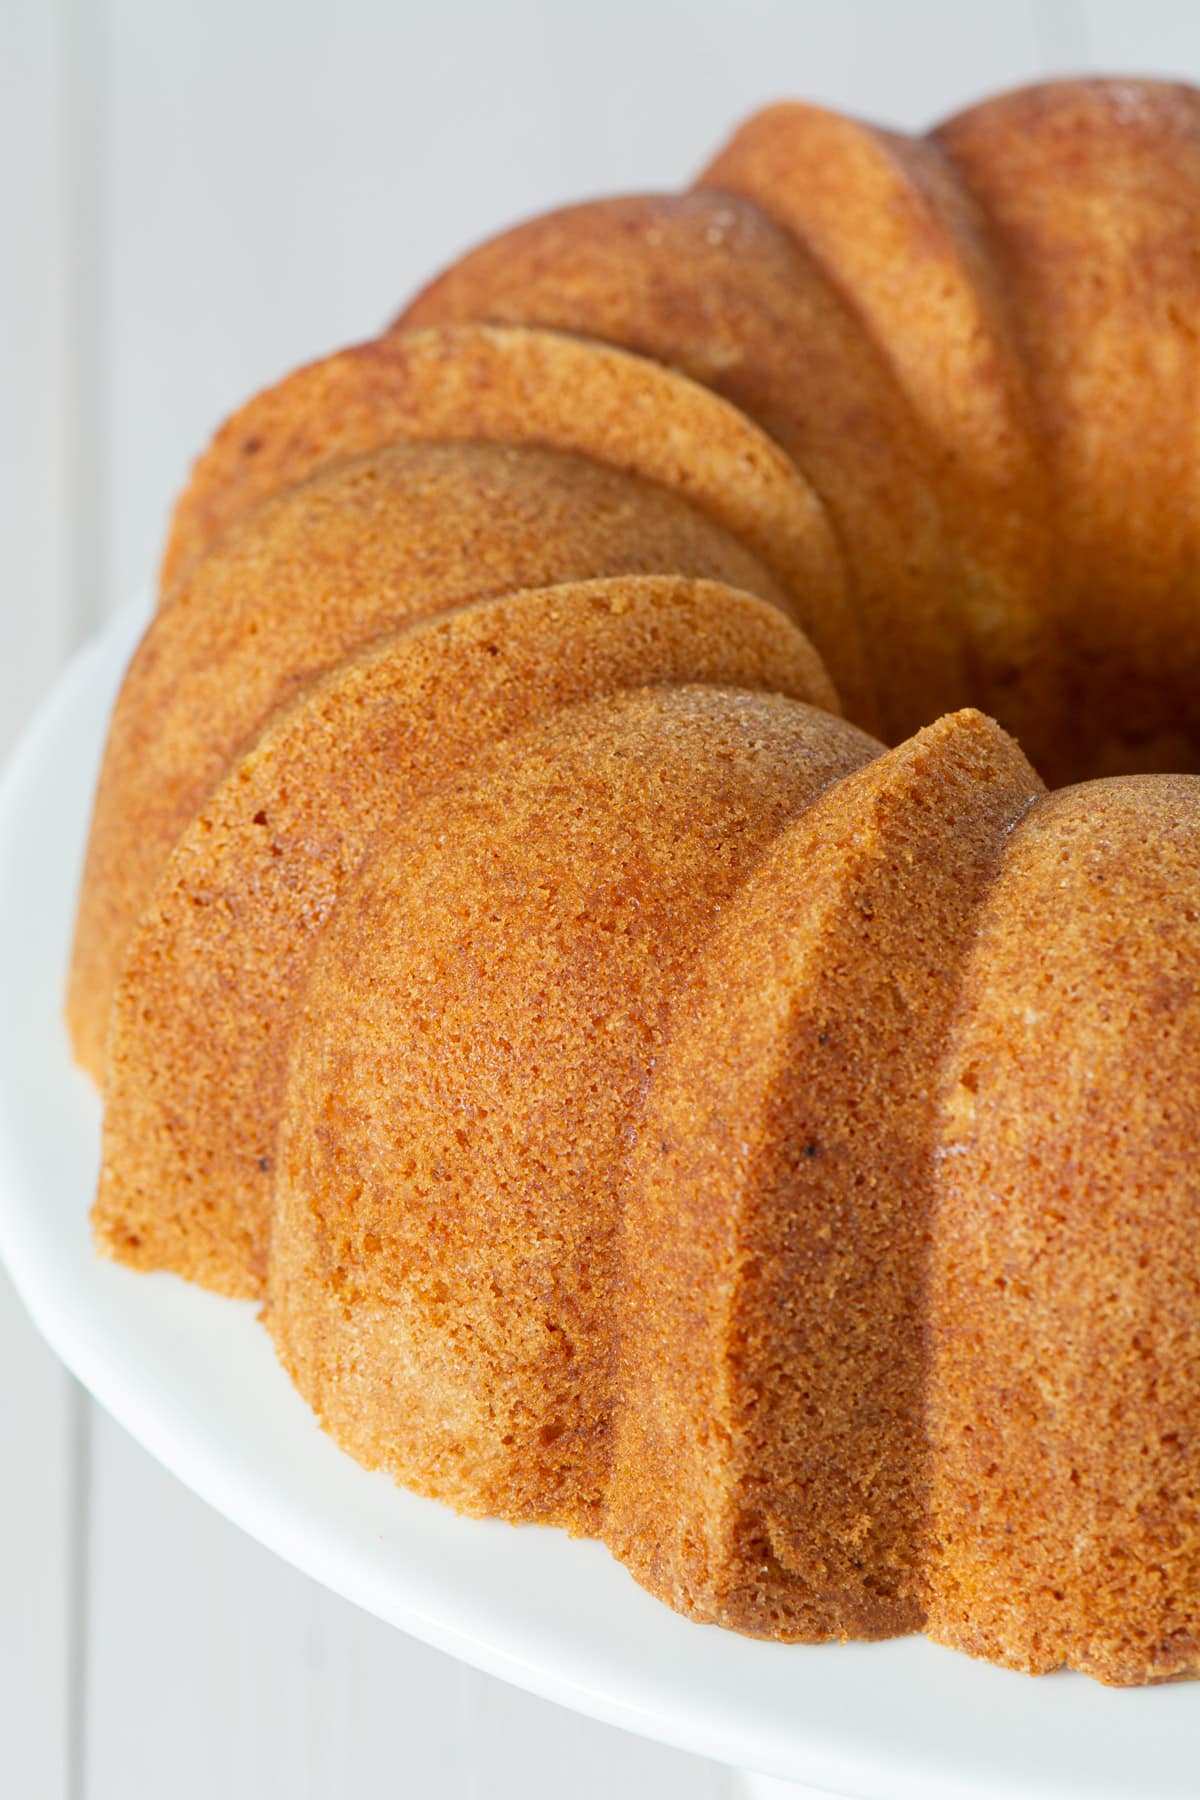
(902, 240)
(771, 1470)
(1064, 1403)
(539, 388)
(362, 549)
(199, 1041)
(1092, 195)
(472, 1050)
(710, 285)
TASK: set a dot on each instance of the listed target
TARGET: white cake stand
(194, 1379)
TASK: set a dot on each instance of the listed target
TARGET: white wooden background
(194, 195)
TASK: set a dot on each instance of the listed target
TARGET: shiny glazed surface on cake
(645, 1101)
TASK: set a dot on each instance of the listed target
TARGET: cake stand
(194, 1379)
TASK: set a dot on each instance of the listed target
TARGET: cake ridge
(890, 222)
(564, 960)
(815, 1235)
(1106, 1583)
(202, 1014)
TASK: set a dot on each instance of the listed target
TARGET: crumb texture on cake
(644, 890)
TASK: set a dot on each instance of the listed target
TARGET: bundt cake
(643, 1101)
